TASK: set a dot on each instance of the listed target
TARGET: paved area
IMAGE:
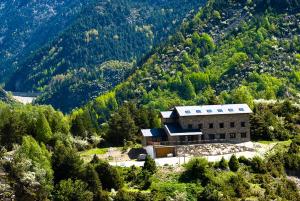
(175, 161)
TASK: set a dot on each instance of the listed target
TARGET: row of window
(221, 125)
(223, 136)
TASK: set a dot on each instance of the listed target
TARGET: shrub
(149, 165)
(258, 165)
(234, 163)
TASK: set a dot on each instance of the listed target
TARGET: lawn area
(287, 142)
(98, 151)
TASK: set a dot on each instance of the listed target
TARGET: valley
(153, 100)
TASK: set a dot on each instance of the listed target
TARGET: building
(185, 125)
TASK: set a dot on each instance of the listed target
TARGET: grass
(98, 151)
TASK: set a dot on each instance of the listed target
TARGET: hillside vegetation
(27, 25)
(231, 52)
(104, 30)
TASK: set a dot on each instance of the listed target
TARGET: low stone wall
(210, 149)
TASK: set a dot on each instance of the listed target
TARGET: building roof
(175, 130)
(154, 132)
(166, 114)
(213, 110)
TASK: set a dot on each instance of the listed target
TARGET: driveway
(175, 161)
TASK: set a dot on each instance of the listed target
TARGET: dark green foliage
(222, 164)
(149, 165)
(197, 170)
(121, 127)
(72, 190)
(109, 176)
(91, 177)
(274, 121)
(125, 124)
(233, 163)
(66, 163)
(258, 165)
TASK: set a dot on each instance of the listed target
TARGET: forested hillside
(5, 97)
(232, 51)
(79, 86)
(104, 30)
(26, 25)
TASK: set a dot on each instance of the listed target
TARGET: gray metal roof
(213, 109)
(166, 114)
(176, 130)
(154, 132)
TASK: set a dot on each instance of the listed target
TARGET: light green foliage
(31, 165)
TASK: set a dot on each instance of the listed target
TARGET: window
(190, 126)
(231, 124)
(243, 124)
(221, 125)
(190, 138)
(243, 135)
(182, 138)
(232, 135)
(219, 110)
(212, 136)
(230, 110)
(211, 125)
(198, 111)
(200, 126)
(222, 136)
(241, 109)
(209, 111)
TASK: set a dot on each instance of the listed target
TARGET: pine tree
(121, 127)
(234, 163)
(149, 165)
(43, 130)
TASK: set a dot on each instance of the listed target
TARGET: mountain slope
(26, 25)
(104, 30)
(4, 97)
(232, 51)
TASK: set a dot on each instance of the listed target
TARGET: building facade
(186, 125)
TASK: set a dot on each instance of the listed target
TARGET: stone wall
(216, 120)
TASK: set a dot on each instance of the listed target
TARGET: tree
(197, 169)
(258, 165)
(149, 165)
(43, 130)
(234, 163)
(109, 176)
(121, 127)
(70, 190)
(187, 90)
(243, 95)
(66, 163)
(223, 164)
(92, 179)
(31, 166)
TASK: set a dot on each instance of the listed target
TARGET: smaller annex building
(187, 125)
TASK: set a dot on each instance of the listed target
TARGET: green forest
(40, 152)
(103, 31)
(230, 51)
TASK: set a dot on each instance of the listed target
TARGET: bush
(197, 169)
(149, 165)
(258, 165)
(234, 163)
(223, 164)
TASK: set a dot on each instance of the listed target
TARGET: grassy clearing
(98, 151)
